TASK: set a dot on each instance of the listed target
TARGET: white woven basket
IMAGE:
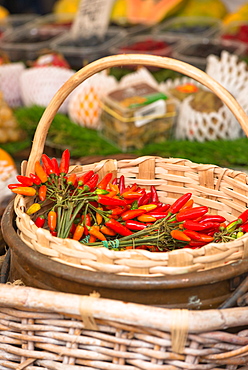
(224, 191)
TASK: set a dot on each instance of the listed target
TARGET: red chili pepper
(243, 216)
(193, 235)
(40, 172)
(48, 164)
(121, 184)
(24, 190)
(17, 185)
(132, 213)
(40, 221)
(86, 221)
(133, 187)
(145, 199)
(157, 214)
(105, 181)
(42, 192)
(26, 181)
(36, 180)
(85, 177)
(105, 200)
(212, 218)
(163, 208)
(196, 226)
(55, 166)
(117, 210)
(244, 227)
(179, 235)
(90, 185)
(135, 225)
(52, 220)
(206, 238)
(191, 213)
(73, 228)
(179, 203)
(154, 194)
(79, 232)
(193, 244)
(118, 227)
(65, 162)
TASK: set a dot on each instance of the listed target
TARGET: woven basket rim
(122, 262)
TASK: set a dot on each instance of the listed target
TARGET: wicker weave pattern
(224, 191)
(47, 332)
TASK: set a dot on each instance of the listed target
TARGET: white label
(150, 112)
(92, 18)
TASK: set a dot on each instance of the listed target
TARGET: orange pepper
(99, 217)
(95, 231)
(179, 235)
(148, 207)
(107, 231)
(78, 233)
(114, 187)
(188, 204)
(146, 218)
(52, 220)
(40, 172)
(24, 190)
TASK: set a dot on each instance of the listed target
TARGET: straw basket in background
(223, 191)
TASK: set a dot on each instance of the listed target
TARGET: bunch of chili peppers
(106, 212)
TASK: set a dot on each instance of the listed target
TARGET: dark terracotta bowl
(198, 290)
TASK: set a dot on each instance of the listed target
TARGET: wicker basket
(224, 191)
(59, 331)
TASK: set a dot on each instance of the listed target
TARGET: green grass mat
(86, 142)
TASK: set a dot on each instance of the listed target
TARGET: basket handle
(117, 60)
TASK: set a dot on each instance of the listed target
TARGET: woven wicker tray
(222, 190)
